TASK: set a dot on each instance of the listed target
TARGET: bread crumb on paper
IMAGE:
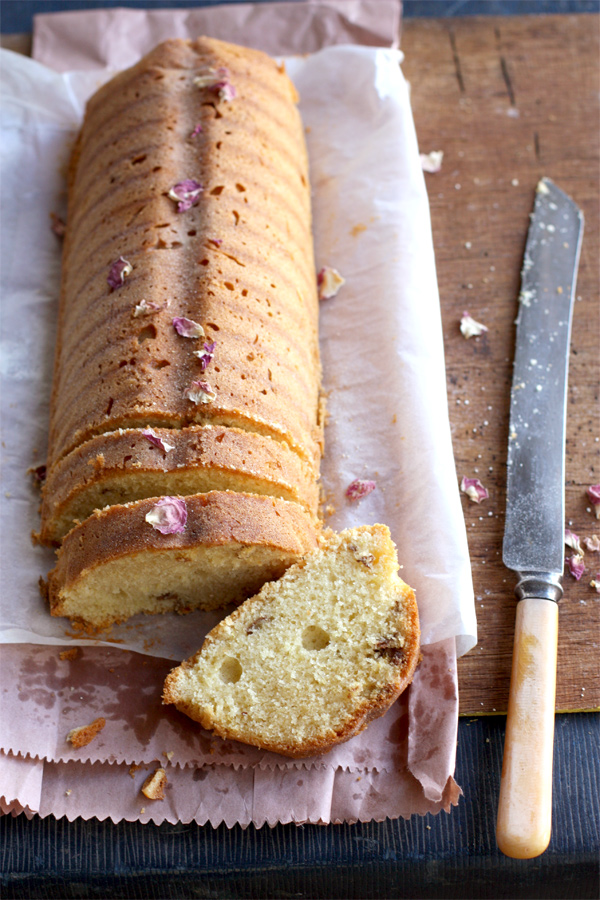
(71, 654)
(80, 737)
(154, 786)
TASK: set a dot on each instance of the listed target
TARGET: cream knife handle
(525, 805)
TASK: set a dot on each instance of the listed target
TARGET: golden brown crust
(154, 786)
(240, 262)
(82, 736)
(124, 466)
(215, 519)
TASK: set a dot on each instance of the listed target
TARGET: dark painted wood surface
(445, 856)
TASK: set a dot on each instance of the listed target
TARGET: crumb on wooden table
(81, 736)
(73, 653)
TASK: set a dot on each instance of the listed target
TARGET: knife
(534, 526)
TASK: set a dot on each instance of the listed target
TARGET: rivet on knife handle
(525, 806)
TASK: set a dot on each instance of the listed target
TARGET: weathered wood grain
(508, 101)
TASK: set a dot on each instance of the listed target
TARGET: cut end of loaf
(314, 657)
(115, 565)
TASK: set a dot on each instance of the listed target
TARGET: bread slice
(123, 466)
(115, 564)
(314, 657)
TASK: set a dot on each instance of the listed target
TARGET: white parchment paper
(381, 336)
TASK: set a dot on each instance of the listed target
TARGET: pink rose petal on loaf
(187, 327)
(186, 194)
(359, 489)
(206, 354)
(592, 543)
(156, 440)
(169, 515)
(118, 273)
(474, 489)
(200, 392)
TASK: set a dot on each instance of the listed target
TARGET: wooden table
(509, 100)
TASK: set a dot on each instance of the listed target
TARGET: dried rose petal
(187, 327)
(572, 541)
(118, 273)
(225, 90)
(575, 566)
(210, 77)
(329, 281)
(474, 489)
(197, 130)
(592, 543)
(156, 440)
(168, 516)
(186, 194)
(432, 162)
(359, 489)
(593, 493)
(38, 473)
(200, 392)
(216, 80)
(143, 308)
(469, 327)
(206, 354)
(57, 225)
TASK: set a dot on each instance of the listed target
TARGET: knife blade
(534, 525)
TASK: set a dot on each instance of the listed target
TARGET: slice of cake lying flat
(309, 661)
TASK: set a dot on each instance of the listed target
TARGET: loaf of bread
(117, 563)
(189, 199)
(311, 659)
(187, 362)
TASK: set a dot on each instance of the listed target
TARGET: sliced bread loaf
(311, 659)
(218, 548)
(189, 200)
(134, 464)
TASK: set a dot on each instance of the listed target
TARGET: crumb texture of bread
(80, 737)
(154, 786)
(314, 657)
(115, 565)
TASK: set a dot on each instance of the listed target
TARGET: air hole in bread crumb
(229, 286)
(218, 190)
(192, 233)
(231, 670)
(110, 406)
(213, 326)
(240, 187)
(236, 216)
(244, 293)
(314, 638)
(147, 334)
(138, 159)
(203, 262)
(160, 363)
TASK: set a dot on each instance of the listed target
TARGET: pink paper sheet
(401, 765)
(117, 38)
